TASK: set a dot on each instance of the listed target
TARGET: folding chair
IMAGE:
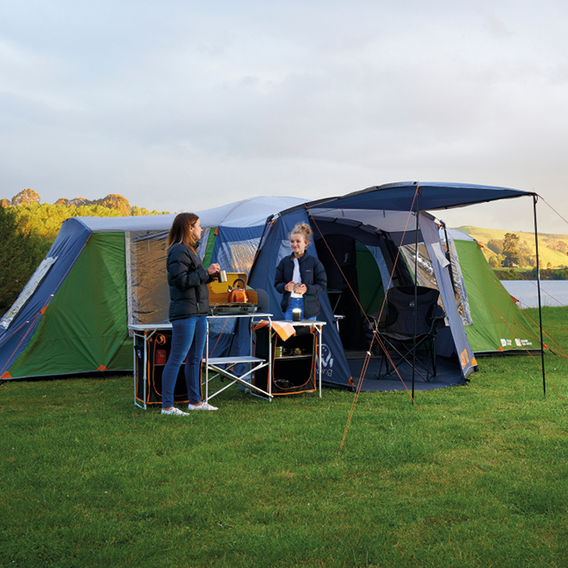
(408, 332)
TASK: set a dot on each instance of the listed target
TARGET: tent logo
(518, 342)
(326, 360)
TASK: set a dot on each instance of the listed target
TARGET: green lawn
(477, 476)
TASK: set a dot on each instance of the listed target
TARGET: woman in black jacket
(300, 277)
(189, 304)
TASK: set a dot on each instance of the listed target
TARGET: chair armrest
(437, 317)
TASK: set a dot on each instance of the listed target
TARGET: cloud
(163, 102)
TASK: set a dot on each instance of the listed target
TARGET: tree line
(510, 252)
(28, 228)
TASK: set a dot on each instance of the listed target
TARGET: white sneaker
(202, 406)
(175, 411)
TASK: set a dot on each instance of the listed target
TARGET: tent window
(426, 277)
(39, 274)
(147, 284)
(459, 284)
(238, 255)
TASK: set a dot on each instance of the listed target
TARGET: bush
(20, 253)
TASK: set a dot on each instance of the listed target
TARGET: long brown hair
(180, 231)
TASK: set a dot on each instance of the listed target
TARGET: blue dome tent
(377, 221)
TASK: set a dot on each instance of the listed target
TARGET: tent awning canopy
(414, 195)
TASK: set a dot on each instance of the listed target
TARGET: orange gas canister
(161, 357)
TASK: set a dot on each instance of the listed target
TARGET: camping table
(318, 326)
(145, 331)
(223, 366)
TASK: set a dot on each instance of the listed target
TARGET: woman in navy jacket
(189, 304)
(300, 277)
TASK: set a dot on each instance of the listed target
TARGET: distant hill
(552, 248)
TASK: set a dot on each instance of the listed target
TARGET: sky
(183, 105)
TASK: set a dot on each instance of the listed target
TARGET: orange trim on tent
(6, 375)
(101, 368)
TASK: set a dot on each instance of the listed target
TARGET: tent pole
(539, 296)
(415, 289)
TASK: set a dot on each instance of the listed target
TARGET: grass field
(477, 476)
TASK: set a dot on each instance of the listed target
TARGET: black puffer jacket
(313, 276)
(189, 295)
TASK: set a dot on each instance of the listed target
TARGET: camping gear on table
(238, 295)
(226, 299)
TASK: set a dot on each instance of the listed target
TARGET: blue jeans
(295, 303)
(188, 338)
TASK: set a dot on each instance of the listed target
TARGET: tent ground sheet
(447, 375)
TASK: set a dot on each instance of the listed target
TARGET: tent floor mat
(448, 375)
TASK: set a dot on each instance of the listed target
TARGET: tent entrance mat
(448, 375)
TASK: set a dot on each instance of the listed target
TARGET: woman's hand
(289, 287)
(300, 289)
(214, 269)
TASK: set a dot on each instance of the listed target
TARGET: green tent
(102, 274)
(494, 322)
(87, 325)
